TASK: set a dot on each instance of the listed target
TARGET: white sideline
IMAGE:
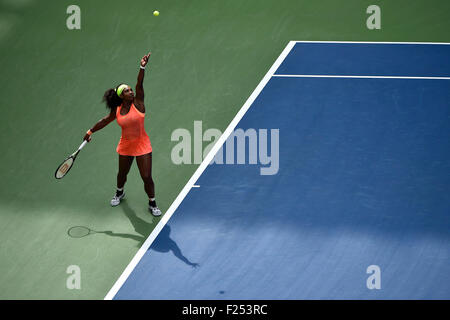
(118, 284)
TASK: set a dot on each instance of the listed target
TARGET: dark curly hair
(112, 99)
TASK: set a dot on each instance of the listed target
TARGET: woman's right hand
(87, 138)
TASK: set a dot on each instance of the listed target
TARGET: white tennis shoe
(115, 201)
(155, 211)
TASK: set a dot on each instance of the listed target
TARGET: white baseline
(374, 42)
(356, 77)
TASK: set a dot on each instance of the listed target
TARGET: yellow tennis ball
(156, 13)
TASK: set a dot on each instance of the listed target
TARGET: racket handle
(82, 145)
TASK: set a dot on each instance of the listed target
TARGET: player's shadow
(163, 243)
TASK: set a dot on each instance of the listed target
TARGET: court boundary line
(148, 242)
(365, 77)
(206, 161)
(356, 77)
(371, 42)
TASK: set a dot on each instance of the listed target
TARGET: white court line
(197, 174)
(356, 77)
(195, 186)
(372, 42)
(118, 284)
(363, 77)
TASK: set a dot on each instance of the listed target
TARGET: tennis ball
(156, 13)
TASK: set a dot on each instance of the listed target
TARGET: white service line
(365, 77)
(356, 77)
(113, 291)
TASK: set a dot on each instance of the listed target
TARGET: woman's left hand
(144, 59)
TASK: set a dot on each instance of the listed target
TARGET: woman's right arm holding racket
(103, 122)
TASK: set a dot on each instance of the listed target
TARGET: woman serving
(129, 110)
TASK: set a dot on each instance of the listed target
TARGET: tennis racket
(81, 231)
(67, 164)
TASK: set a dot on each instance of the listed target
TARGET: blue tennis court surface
(363, 180)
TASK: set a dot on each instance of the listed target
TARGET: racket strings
(64, 168)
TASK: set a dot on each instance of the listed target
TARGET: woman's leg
(144, 163)
(124, 167)
(125, 163)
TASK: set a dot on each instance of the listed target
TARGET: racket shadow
(82, 231)
(163, 242)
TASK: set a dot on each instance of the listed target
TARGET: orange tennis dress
(134, 140)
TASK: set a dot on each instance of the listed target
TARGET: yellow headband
(120, 89)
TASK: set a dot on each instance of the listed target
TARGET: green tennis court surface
(207, 57)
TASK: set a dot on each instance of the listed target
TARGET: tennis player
(129, 111)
